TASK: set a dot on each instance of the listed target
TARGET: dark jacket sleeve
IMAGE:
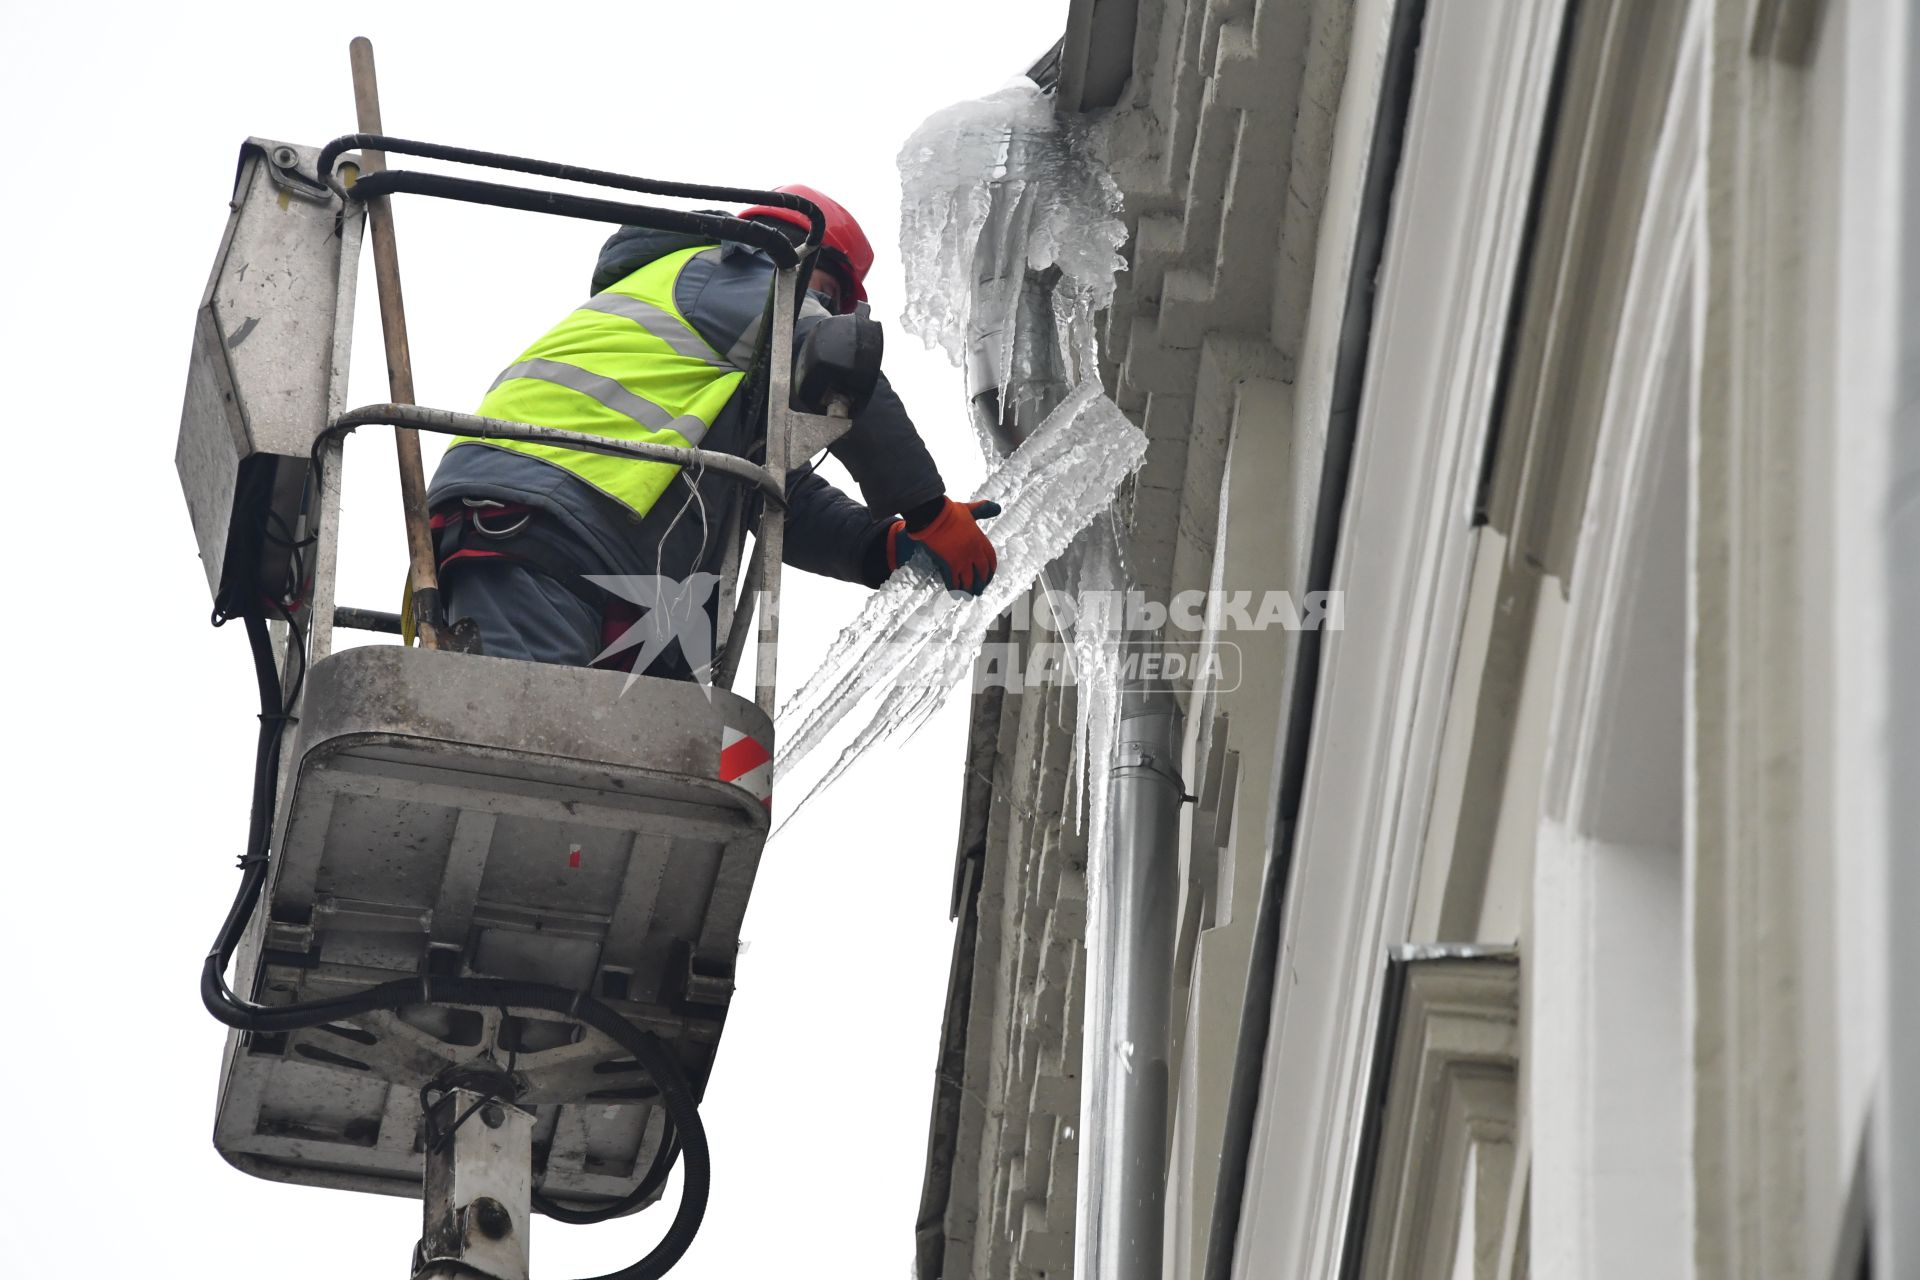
(830, 534)
(886, 456)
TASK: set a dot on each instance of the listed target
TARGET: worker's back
(666, 350)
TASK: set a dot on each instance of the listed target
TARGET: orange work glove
(953, 541)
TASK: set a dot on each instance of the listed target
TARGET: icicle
(994, 193)
(948, 170)
(1063, 211)
(914, 641)
(999, 196)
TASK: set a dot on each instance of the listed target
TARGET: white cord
(660, 547)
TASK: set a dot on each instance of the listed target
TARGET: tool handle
(428, 614)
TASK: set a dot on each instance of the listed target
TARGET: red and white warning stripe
(746, 764)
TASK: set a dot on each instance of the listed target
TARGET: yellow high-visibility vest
(624, 364)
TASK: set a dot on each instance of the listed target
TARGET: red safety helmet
(844, 240)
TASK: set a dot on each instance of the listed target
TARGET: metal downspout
(1124, 1097)
(1138, 919)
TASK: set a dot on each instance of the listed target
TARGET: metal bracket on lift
(479, 1189)
(792, 436)
(285, 171)
(814, 432)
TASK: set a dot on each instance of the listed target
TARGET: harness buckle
(475, 506)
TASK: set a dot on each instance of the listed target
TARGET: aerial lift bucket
(454, 814)
(476, 886)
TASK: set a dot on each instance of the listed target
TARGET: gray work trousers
(522, 613)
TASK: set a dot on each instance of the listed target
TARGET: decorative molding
(1221, 146)
(1619, 70)
(1000, 1190)
(1634, 436)
(1785, 29)
(1746, 746)
(1444, 294)
(1445, 1093)
(1609, 1054)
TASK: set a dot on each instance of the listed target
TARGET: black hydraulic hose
(331, 153)
(675, 1093)
(712, 226)
(214, 992)
(266, 769)
(719, 226)
(653, 1056)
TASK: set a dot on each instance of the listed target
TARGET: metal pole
(770, 538)
(742, 618)
(428, 615)
(478, 1192)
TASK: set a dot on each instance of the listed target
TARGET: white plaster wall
(1265, 528)
(1610, 1067)
(1464, 702)
(1608, 1070)
(1509, 884)
(1867, 67)
(1609, 1058)
(1860, 1028)
(1801, 982)
(1405, 561)
(1837, 1085)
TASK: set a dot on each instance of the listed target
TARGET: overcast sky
(133, 721)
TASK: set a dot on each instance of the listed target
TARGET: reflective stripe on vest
(625, 364)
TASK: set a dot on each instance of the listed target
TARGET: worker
(663, 352)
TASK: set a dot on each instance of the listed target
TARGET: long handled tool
(429, 616)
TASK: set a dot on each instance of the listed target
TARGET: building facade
(1547, 916)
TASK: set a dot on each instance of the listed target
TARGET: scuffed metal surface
(461, 814)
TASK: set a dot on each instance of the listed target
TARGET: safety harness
(481, 529)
